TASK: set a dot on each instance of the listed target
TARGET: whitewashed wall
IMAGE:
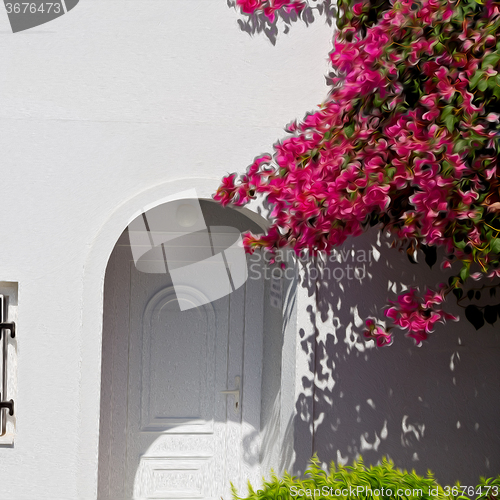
(100, 111)
(434, 407)
(109, 109)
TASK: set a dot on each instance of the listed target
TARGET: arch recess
(92, 311)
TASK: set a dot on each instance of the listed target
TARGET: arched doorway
(168, 429)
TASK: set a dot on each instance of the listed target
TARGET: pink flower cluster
(417, 314)
(379, 334)
(408, 138)
(269, 7)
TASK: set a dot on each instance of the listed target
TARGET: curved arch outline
(92, 313)
(188, 292)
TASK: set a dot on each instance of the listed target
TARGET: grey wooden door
(167, 429)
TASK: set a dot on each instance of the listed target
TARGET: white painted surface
(113, 100)
(104, 112)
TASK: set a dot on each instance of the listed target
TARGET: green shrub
(361, 482)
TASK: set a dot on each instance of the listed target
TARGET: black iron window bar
(11, 327)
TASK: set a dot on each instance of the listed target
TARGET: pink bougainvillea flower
(370, 324)
(418, 315)
(249, 6)
(494, 274)
(378, 333)
(493, 117)
(358, 8)
(418, 336)
(382, 337)
(406, 139)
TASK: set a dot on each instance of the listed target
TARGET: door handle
(236, 393)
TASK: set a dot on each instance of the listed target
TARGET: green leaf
(461, 145)
(495, 246)
(377, 101)
(439, 47)
(483, 85)
(349, 130)
(478, 75)
(447, 111)
(447, 168)
(464, 273)
(450, 122)
(490, 60)
(390, 172)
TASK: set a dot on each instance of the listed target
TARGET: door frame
(250, 368)
(99, 250)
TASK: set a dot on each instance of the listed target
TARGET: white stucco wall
(434, 407)
(100, 110)
(109, 109)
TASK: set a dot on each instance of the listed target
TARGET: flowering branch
(408, 139)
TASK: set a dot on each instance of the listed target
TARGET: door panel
(177, 370)
(177, 350)
(167, 431)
